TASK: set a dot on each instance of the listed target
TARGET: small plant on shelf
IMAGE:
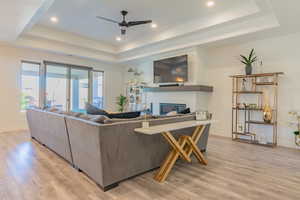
(248, 61)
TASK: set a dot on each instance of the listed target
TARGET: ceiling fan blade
(135, 23)
(107, 19)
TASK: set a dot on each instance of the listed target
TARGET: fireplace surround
(165, 108)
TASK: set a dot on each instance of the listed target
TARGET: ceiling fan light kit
(124, 24)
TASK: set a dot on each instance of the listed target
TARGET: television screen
(171, 70)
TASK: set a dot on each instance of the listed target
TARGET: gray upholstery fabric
(50, 129)
(85, 144)
(109, 153)
(93, 110)
(95, 118)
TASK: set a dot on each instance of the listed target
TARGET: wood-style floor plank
(29, 171)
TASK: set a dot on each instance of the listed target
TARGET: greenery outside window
(30, 85)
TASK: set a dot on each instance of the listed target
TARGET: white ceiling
(79, 16)
(181, 24)
(16, 15)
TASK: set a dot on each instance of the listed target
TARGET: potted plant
(248, 61)
(121, 102)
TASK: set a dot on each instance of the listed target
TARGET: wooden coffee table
(183, 148)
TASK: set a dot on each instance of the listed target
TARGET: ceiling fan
(124, 24)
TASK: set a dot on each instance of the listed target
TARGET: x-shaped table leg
(184, 147)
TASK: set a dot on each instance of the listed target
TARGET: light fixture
(153, 25)
(118, 38)
(54, 19)
(210, 3)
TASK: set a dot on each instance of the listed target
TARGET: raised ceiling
(16, 15)
(181, 24)
(79, 16)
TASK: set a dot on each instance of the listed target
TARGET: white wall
(10, 62)
(196, 75)
(214, 65)
(278, 54)
(211, 66)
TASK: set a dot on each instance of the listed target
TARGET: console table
(183, 147)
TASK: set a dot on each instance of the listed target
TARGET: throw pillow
(116, 120)
(172, 113)
(52, 109)
(95, 118)
(93, 110)
(185, 111)
(73, 114)
(86, 117)
(100, 119)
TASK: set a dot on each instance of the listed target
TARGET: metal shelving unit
(257, 81)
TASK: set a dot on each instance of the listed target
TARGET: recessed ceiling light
(153, 25)
(118, 38)
(210, 3)
(54, 19)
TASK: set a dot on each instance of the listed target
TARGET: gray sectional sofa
(107, 153)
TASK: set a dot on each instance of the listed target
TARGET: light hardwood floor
(235, 171)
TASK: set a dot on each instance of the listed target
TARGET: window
(30, 84)
(98, 88)
(79, 89)
(56, 86)
(66, 87)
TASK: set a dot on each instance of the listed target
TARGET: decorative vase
(248, 69)
(267, 114)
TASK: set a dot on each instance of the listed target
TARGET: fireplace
(165, 108)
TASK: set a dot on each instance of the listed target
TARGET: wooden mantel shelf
(185, 88)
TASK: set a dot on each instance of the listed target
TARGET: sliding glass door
(79, 89)
(67, 87)
(57, 85)
(97, 97)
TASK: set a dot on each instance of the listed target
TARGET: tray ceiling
(181, 24)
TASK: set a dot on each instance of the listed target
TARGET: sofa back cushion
(93, 110)
(125, 115)
(95, 118)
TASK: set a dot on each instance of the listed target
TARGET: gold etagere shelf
(257, 84)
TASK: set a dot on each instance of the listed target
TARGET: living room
(143, 100)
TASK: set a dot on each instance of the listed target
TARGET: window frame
(103, 87)
(39, 78)
(43, 75)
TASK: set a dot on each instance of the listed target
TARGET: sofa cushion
(70, 113)
(172, 113)
(111, 121)
(93, 110)
(124, 115)
(185, 111)
(117, 120)
(95, 118)
(52, 109)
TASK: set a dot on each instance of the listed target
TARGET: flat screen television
(171, 70)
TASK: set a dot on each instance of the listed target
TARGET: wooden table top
(152, 130)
